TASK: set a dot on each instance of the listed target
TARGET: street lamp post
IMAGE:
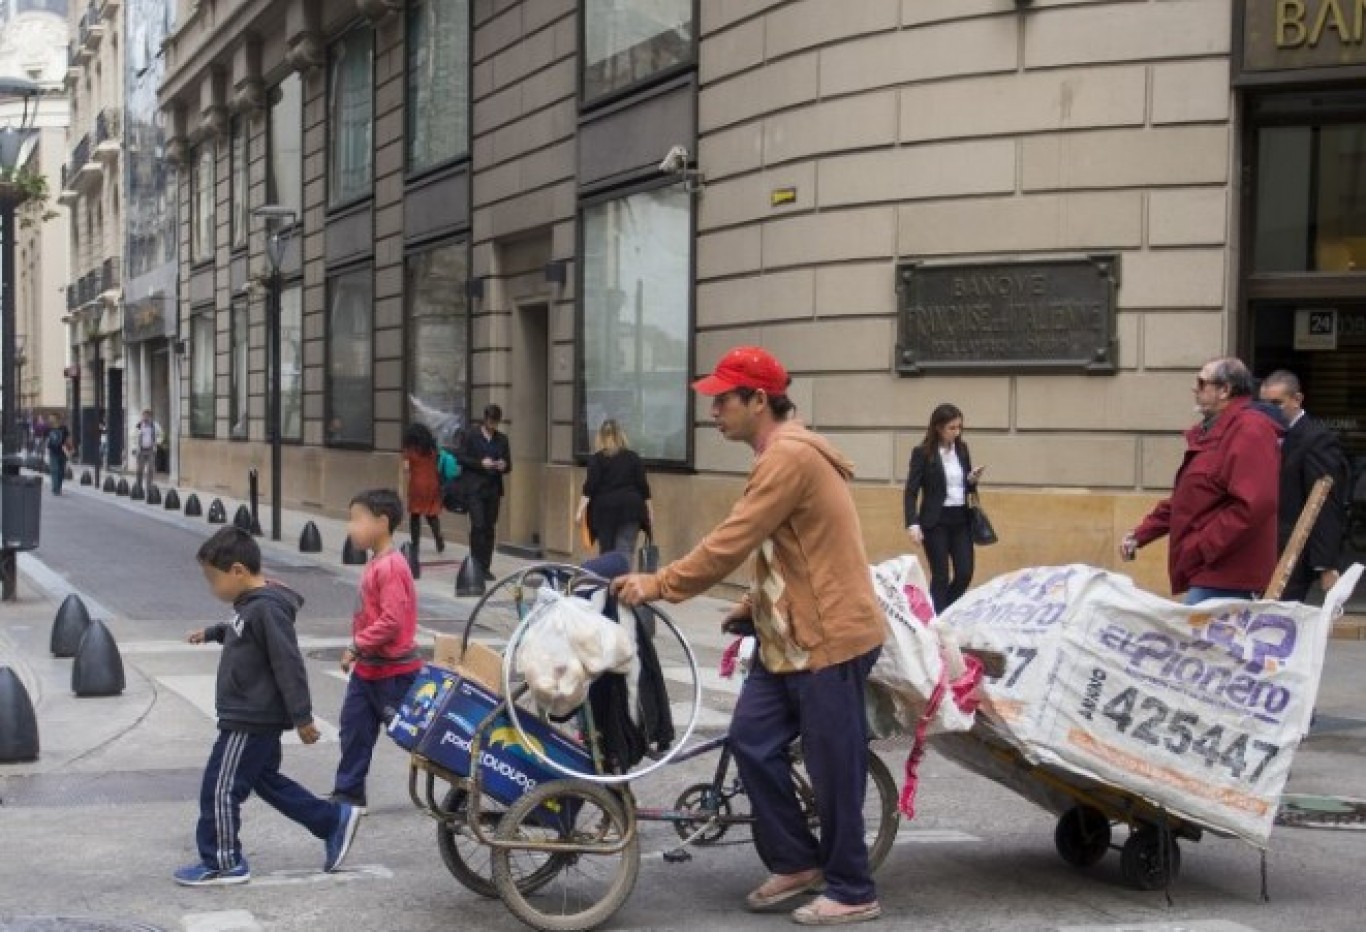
(279, 221)
(15, 148)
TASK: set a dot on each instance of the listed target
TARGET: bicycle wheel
(470, 861)
(881, 818)
(599, 872)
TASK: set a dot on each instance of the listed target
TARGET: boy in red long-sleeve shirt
(383, 659)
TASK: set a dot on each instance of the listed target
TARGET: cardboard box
(418, 708)
(508, 769)
(479, 663)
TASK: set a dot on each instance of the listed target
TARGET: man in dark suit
(1308, 451)
(485, 457)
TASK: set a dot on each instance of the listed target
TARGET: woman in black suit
(937, 490)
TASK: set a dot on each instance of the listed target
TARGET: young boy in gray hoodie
(262, 692)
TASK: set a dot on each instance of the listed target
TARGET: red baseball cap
(745, 367)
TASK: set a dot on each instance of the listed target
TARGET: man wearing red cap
(819, 631)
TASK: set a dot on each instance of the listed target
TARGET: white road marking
(932, 836)
(1195, 925)
(299, 877)
(229, 920)
(198, 689)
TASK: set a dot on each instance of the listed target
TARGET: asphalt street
(95, 827)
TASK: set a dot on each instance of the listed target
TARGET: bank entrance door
(1304, 284)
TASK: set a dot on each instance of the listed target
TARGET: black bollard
(172, 500)
(351, 556)
(470, 580)
(109, 484)
(310, 541)
(414, 561)
(153, 494)
(121, 489)
(98, 670)
(137, 493)
(86, 478)
(242, 518)
(18, 724)
(217, 513)
(192, 507)
(69, 627)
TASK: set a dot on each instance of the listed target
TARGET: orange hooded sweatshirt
(812, 600)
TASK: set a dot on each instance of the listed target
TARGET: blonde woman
(616, 494)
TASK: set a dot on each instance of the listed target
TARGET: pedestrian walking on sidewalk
(820, 631)
(262, 691)
(940, 483)
(383, 658)
(422, 481)
(485, 458)
(1309, 451)
(616, 494)
(147, 437)
(58, 450)
(1221, 516)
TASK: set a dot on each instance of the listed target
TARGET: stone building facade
(628, 189)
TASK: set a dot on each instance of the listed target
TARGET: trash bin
(21, 502)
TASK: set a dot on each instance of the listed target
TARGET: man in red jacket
(1221, 515)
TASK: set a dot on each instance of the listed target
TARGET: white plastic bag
(917, 653)
(567, 644)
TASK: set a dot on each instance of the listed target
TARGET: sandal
(813, 914)
(781, 888)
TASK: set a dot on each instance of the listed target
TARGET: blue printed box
(509, 770)
(424, 697)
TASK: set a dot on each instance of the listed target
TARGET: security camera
(676, 162)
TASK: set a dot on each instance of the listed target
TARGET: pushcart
(565, 855)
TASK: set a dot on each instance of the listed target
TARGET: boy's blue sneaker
(201, 875)
(339, 842)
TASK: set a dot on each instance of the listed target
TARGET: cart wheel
(1082, 836)
(598, 874)
(706, 800)
(881, 818)
(470, 861)
(1142, 864)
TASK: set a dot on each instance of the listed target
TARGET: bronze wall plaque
(1051, 315)
(1293, 35)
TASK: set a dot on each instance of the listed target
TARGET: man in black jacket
(262, 691)
(485, 458)
(1309, 451)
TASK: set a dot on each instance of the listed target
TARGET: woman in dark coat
(616, 494)
(937, 490)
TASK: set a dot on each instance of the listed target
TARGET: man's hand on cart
(636, 588)
(309, 733)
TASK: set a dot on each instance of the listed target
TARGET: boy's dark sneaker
(355, 802)
(201, 875)
(339, 842)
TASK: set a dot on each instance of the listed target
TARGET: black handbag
(983, 534)
(647, 558)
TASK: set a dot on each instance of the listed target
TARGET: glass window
(438, 82)
(350, 396)
(285, 184)
(202, 353)
(239, 352)
(438, 338)
(1311, 199)
(292, 352)
(238, 179)
(351, 99)
(202, 220)
(628, 41)
(637, 283)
